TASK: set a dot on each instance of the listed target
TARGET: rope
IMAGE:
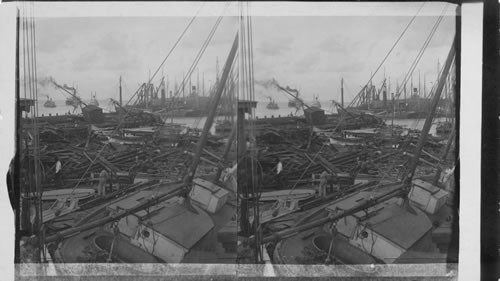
(387, 55)
(127, 112)
(421, 52)
(197, 58)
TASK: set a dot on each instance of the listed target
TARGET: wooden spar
(428, 121)
(212, 111)
(427, 153)
(226, 151)
(117, 216)
(212, 155)
(422, 160)
(362, 206)
(204, 159)
(445, 154)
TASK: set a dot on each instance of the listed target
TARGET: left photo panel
(125, 143)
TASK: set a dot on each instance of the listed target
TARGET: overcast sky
(308, 52)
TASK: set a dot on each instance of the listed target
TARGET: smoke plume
(271, 84)
(50, 81)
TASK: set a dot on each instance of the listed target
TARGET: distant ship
(272, 104)
(414, 106)
(93, 101)
(316, 103)
(49, 103)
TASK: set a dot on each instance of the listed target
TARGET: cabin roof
(169, 218)
(400, 225)
(181, 225)
(388, 219)
(426, 185)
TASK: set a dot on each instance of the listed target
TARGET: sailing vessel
(49, 103)
(316, 103)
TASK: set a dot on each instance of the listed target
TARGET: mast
(183, 83)
(212, 112)
(167, 88)
(419, 85)
(425, 94)
(190, 90)
(411, 85)
(405, 92)
(17, 192)
(428, 121)
(342, 91)
(121, 102)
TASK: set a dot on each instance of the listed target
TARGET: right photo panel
(347, 136)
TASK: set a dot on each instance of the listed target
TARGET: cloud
(86, 61)
(337, 44)
(275, 47)
(343, 63)
(418, 34)
(55, 42)
(355, 66)
(306, 63)
(112, 41)
(111, 52)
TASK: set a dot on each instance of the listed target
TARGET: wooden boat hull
(342, 251)
(124, 251)
(77, 193)
(289, 194)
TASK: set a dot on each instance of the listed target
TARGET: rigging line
(431, 95)
(257, 188)
(177, 42)
(420, 54)
(304, 172)
(193, 67)
(127, 112)
(201, 52)
(387, 55)
(37, 137)
(122, 120)
(197, 59)
(418, 57)
(171, 50)
(424, 47)
(23, 37)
